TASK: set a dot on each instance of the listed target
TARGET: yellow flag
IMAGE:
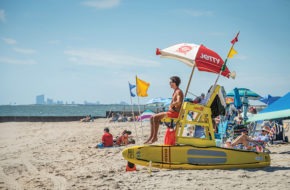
(232, 53)
(141, 87)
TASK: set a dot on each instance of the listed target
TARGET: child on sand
(124, 138)
(107, 139)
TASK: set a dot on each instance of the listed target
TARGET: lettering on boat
(138, 154)
(166, 155)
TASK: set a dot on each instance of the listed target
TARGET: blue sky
(78, 50)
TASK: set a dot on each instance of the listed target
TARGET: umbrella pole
(188, 84)
(217, 78)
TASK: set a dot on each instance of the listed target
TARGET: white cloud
(2, 15)
(9, 41)
(101, 4)
(6, 60)
(24, 51)
(195, 13)
(107, 59)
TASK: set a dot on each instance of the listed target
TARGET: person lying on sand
(88, 118)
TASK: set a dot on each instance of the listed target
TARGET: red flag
(235, 39)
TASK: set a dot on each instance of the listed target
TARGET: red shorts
(172, 114)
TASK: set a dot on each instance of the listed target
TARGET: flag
(141, 87)
(235, 39)
(131, 86)
(232, 53)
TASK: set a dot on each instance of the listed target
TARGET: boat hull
(191, 157)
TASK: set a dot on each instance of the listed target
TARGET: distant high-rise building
(59, 102)
(40, 99)
(49, 101)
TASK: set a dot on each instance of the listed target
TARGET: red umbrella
(196, 55)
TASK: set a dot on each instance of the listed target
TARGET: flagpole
(133, 114)
(139, 110)
(140, 118)
(225, 63)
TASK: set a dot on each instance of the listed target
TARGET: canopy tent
(278, 109)
(269, 99)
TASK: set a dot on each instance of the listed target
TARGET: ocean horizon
(69, 109)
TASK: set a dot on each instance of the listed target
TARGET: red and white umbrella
(196, 55)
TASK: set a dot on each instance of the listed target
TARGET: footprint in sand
(60, 183)
(9, 182)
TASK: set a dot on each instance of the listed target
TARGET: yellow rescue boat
(196, 152)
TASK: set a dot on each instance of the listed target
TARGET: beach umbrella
(237, 99)
(146, 115)
(246, 95)
(159, 100)
(251, 95)
(196, 55)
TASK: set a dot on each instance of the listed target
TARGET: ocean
(67, 110)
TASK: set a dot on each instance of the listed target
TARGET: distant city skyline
(90, 49)
(40, 99)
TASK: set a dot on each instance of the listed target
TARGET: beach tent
(269, 99)
(278, 109)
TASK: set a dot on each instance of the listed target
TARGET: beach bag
(169, 137)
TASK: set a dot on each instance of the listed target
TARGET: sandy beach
(56, 155)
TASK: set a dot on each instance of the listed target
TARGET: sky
(88, 50)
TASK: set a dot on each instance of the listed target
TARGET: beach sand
(56, 155)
